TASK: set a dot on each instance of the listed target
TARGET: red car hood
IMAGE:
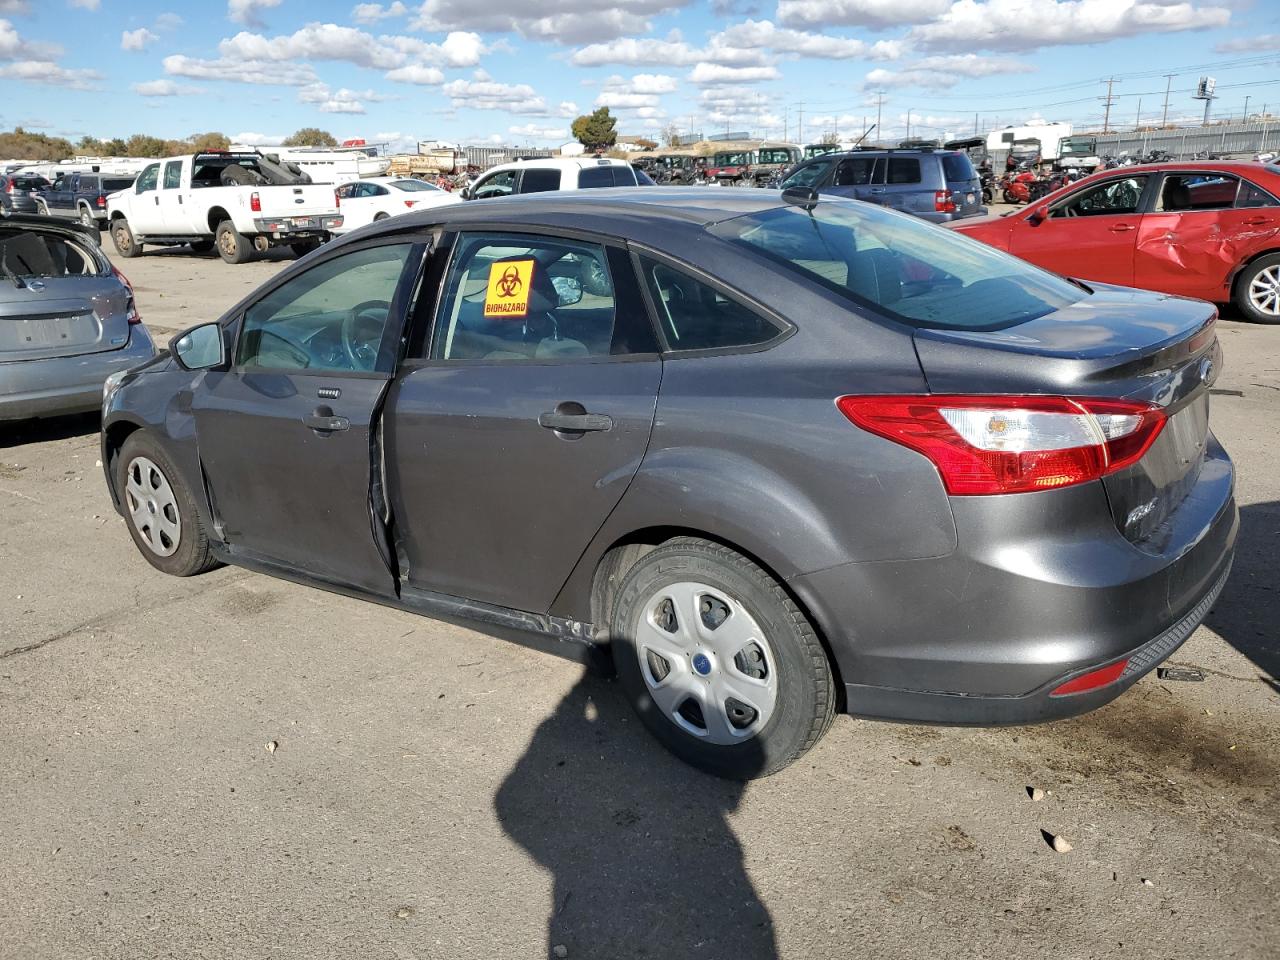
(993, 229)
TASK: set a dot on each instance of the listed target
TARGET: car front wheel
(122, 236)
(719, 662)
(1258, 289)
(160, 510)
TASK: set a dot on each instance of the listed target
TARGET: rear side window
(696, 316)
(859, 171)
(87, 183)
(172, 174)
(904, 170)
(539, 180)
(605, 176)
(1253, 196)
(956, 166)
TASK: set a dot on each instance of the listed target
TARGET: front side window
(533, 298)
(808, 175)
(1108, 198)
(859, 171)
(539, 180)
(900, 267)
(333, 317)
(499, 185)
(147, 178)
(172, 174)
(697, 316)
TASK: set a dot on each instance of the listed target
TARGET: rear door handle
(1121, 228)
(1258, 222)
(326, 423)
(575, 422)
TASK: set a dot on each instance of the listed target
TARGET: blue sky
(518, 71)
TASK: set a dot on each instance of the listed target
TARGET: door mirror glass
(200, 348)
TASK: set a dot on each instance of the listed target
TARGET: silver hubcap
(152, 507)
(1264, 291)
(706, 663)
(86, 218)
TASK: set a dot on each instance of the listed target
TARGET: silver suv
(936, 185)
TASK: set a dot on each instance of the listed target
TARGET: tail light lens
(1012, 444)
(131, 307)
(337, 199)
(942, 201)
(102, 201)
(255, 203)
(1091, 680)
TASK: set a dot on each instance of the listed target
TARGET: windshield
(904, 268)
(415, 186)
(775, 156)
(731, 159)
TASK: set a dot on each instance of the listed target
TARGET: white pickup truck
(237, 202)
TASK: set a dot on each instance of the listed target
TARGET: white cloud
(86, 4)
(338, 101)
(250, 139)
(1029, 24)
(164, 88)
(860, 13)
(49, 73)
(168, 21)
(531, 131)
(329, 41)
(15, 6)
(483, 93)
(397, 141)
(13, 47)
(642, 83)
(261, 72)
(137, 39)
(671, 52)
(247, 11)
(615, 100)
(1263, 42)
(417, 73)
(561, 21)
(718, 73)
(373, 12)
(945, 71)
(763, 34)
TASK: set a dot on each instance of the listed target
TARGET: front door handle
(1121, 228)
(575, 422)
(323, 421)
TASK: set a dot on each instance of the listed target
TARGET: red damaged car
(1205, 230)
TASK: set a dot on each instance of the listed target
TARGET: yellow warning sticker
(508, 293)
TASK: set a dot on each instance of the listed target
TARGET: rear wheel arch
(216, 216)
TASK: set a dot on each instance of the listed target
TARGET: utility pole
(975, 124)
(1246, 109)
(1110, 100)
(1168, 77)
(879, 104)
(1138, 123)
(786, 125)
(800, 125)
(909, 109)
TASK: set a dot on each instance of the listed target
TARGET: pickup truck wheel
(201, 246)
(1258, 290)
(87, 218)
(718, 661)
(381, 216)
(42, 208)
(122, 237)
(232, 246)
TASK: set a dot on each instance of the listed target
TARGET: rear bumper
(65, 385)
(938, 217)
(283, 227)
(1041, 589)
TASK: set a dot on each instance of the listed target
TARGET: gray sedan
(772, 457)
(67, 319)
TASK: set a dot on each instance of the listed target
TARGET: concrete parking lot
(235, 766)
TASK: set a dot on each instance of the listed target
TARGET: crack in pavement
(104, 619)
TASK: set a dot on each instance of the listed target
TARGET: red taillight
(942, 201)
(1091, 680)
(255, 203)
(131, 307)
(1012, 444)
(102, 201)
(410, 203)
(337, 199)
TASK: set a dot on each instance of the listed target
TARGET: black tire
(232, 246)
(42, 208)
(805, 689)
(201, 246)
(303, 247)
(192, 554)
(1009, 197)
(87, 217)
(1244, 296)
(123, 239)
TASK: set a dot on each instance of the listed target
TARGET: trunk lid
(57, 297)
(1116, 343)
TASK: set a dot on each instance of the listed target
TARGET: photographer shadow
(644, 861)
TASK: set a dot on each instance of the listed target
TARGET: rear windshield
(902, 267)
(25, 254)
(112, 184)
(30, 183)
(956, 166)
(416, 186)
(606, 176)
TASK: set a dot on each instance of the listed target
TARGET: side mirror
(568, 290)
(1038, 216)
(200, 348)
(466, 193)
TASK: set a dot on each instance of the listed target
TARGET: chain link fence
(1238, 140)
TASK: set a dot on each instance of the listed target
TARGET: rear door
(1200, 227)
(173, 208)
(859, 178)
(58, 297)
(1090, 234)
(523, 422)
(286, 434)
(905, 188)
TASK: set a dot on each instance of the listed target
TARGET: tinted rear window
(31, 253)
(901, 267)
(605, 176)
(29, 183)
(112, 184)
(956, 166)
(539, 180)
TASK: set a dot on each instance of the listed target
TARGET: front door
(514, 436)
(145, 216)
(286, 434)
(1090, 234)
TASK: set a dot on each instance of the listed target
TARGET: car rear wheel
(718, 661)
(159, 509)
(122, 237)
(88, 219)
(42, 208)
(233, 247)
(381, 216)
(1258, 289)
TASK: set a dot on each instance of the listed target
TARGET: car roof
(625, 212)
(34, 221)
(1225, 166)
(561, 163)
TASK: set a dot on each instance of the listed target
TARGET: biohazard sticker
(508, 293)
